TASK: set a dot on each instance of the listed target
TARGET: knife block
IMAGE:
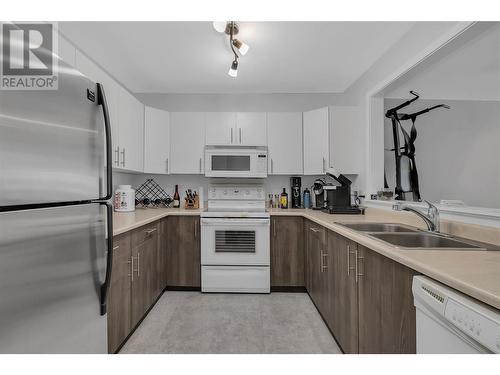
(192, 204)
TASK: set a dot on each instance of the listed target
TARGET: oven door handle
(211, 221)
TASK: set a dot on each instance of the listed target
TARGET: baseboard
(183, 288)
(289, 289)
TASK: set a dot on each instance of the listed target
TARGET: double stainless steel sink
(411, 238)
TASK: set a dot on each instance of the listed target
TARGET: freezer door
(52, 267)
(52, 143)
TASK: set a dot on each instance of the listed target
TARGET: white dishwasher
(448, 322)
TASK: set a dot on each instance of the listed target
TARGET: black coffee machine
(319, 193)
(295, 183)
(338, 197)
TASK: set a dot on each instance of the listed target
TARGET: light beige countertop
(125, 221)
(475, 273)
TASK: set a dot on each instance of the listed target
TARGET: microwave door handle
(101, 100)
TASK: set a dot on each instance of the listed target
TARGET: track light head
(233, 71)
(240, 46)
(220, 26)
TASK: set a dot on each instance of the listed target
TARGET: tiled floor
(192, 322)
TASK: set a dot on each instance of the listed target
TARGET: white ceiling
(191, 57)
(470, 71)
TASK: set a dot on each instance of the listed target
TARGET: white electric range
(235, 240)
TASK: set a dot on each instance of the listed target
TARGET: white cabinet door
(346, 135)
(156, 141)
(131, 120)
(251, 129)
(284, 138)
(111, 91)
(220, 128)
(187, 140)
(66, 51)
(316, 157)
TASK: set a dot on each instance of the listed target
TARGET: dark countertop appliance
(295, 183)
(338, 197)
(319, 193)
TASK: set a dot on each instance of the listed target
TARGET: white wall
(470, 70)
(242, 102)
(457, 153)
(422, 39)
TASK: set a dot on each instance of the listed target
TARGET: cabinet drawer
(317, 231)
(145, 233)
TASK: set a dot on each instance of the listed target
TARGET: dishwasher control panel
(475, 320)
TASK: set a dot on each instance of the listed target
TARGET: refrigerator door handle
(109, 258)
(101, 100)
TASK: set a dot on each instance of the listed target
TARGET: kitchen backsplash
(272, 184)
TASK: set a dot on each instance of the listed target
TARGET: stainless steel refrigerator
(55, 218)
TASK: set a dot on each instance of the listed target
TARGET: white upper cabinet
(346, 134)
(187, 141)
(241, 128)
(131, 129)
(284, 137)
(220, 128)
(316, 154)
(156, 141)
(251, 129)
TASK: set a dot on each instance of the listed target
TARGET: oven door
(235, 241)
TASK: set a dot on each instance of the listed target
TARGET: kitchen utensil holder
(192, 203)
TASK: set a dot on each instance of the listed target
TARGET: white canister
(124, 198)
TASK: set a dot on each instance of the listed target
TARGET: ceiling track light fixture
(239, 48)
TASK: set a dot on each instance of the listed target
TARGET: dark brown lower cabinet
(317, 267)
(134, 282)
(371, 310)
(287, 251)
(386, 312)
(162, 255)
(344, 302)
(183, 251)
(144, 281)
(120, 293)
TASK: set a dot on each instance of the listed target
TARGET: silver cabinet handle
(240, 134)
(358, 274)
(231, 135)
(314, 229)
(324, 168)
(348, 260)
(167, 165)
(320, 260)
(117, 156)
(138, 264)
(150, 231)
(123, 157)
(200, 165)
(131, 262)
(272, 165)
(324, 267)
(349, 253)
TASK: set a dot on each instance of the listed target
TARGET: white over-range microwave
(236, 161)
